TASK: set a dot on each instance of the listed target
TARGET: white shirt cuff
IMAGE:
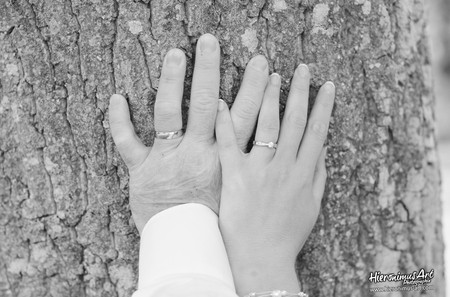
(182, 247)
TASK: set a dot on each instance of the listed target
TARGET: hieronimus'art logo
(414, 281)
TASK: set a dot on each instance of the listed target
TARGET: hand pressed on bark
(271, 197)
(184, 169)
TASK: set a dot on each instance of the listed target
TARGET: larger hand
(184, 169)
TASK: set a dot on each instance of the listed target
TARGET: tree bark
(65, 224)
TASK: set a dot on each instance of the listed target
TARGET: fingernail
(115, 99)
(174, 58)
(329, 87)
(259, 62)
(208, 44)
(221, 105)
(275, 79)
(303, 70)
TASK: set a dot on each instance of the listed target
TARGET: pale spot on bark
(53, 26)
(17, 266)
(320, 14)
(279, 5)
(320, 19)
(367, 7)
(12, 69)
(387, 188)
(135, 27)
(250, 39)
(386, 260)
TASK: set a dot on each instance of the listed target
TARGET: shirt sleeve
(182, 254)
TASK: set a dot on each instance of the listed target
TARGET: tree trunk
(444, 8)
(65, 223)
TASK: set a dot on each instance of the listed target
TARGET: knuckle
(247, 109)
(203, 100)
(170, 76)
(116, 121)
(257, 80)
(165, 109)
(204, 93)
(319, 130)
(296, 120)
(206, 63)
(324, 103)
(169, 79)
(300, 88)
(166, 115)
(270, 126)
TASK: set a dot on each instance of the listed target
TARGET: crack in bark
(33, 111)
(304, 14)
(113, 44)
(108, 276)
(147, 67)
(185, 24)
(48, 179)
(81, 159)
(266, 41)
(150, 21)
(60, 256)
(45, 43)
(11, 287)
(77, 44)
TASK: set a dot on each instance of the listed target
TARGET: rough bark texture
(65, 224)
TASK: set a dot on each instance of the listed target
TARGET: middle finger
(268, 120)
(205, 89)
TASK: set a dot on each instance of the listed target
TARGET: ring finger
(170, 93)
(268, 120)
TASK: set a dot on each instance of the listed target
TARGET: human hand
(271, 198)
(185, 169)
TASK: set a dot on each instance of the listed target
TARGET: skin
(185, 169)
(270, 199)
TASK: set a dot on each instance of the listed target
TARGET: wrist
(264, 276)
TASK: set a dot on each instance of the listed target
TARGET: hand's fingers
(170, 92)
(130, 147)
(295, 116)
(317, 127)
(320, 177)
(226, 139)
(205, 89)
(269, 119)
(248, 100)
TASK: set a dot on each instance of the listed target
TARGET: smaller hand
(271, 197)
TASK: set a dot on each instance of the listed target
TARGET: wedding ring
(265, 144)
(169, 135)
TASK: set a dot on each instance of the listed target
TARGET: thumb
(229, 151)
(130, 147)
